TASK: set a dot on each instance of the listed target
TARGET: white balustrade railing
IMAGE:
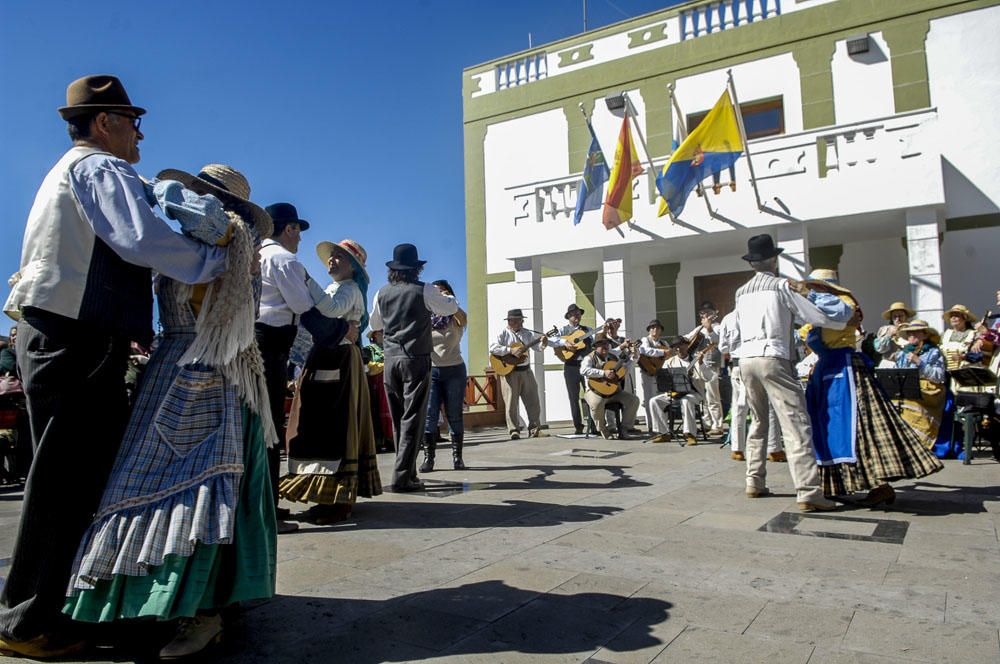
(523, 70)
(722, 15)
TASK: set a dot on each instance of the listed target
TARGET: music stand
(674, 380)
(974, 377)
(900, 384)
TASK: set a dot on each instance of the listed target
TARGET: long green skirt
(215, 575)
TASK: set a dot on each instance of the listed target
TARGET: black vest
(406, 319)
(118, 297)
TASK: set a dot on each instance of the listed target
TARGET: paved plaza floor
(585, 550)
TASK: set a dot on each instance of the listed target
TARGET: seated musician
(593, 368)
(519, 385)
(651, 346)
(571, 368)
(922, 352)
(888, 340)
(957, 341)
(661, 402)
(706, 336)
(989, 338)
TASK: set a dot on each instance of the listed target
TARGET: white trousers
(738, 419)
(661, 421)
(713, 401)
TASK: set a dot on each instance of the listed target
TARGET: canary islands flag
(595, 174)
(618, 204)
(715, 144)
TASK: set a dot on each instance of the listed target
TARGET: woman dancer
(331, 444)
(861, 443)
(448, 377)
(186, 525)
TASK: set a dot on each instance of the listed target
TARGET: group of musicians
(600, 362)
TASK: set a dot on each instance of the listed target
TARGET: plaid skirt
(887, 448)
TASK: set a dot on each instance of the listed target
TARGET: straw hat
(918, 325)
(229, 186)
(825, 280)
(898, 306)
(354, 250)
(961, 310)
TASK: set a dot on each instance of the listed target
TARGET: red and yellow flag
(618, 204)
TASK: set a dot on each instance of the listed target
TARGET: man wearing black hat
(571, 368)
(286, 300)
(519, 385)
(652, 346)
(401, 312)
(766, 308)
(82, 294)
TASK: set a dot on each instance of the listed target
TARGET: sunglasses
(136, 119)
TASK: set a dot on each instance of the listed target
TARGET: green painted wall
(584, 284)
(908, 58)
(827, 257)
(665, 295)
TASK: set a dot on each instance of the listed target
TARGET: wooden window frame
(750, 107)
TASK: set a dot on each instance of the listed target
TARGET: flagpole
(743, 135)
(628, 110)
(683, 126)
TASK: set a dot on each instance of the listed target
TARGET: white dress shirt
(438, 303)
(729, 336)
(766, 309)
(589, 368)
(653, 348)
(508, 338)
(284, 289)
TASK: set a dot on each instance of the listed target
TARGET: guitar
(699, 356)
(575, 342)
(504, 364)
(651, 364)
(608, 387)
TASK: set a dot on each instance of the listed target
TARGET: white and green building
(873, 134)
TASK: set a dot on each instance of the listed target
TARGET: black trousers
(571, 374)
(407, 387)
(74, 384)
(275, 343)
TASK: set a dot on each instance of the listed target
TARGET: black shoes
(408, 487)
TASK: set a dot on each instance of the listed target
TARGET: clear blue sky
(350, 110)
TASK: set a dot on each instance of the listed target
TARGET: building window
(760, 118)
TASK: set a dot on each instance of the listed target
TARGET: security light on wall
(858, 45)
(615, 102)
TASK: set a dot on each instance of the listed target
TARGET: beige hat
(826, 281)
(350, 247)
(918, 325)
(229, 186)
(898, 306)
(961, 310)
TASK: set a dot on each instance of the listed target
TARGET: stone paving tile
(802, 623)
(720, 611)
(821, 656)
(594, 540)
(921, 640)
(700, 644)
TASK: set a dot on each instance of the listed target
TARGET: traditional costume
(331, 442)
(887, 341)
(660, 404)
(861, 442)
(186, 523)
(925, 415)
(571, 367)
(592, 368)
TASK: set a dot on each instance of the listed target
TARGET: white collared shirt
(437, 302)
(589, 368)
(652, 348)
(284, 290)
(509, 337)
(729, 336)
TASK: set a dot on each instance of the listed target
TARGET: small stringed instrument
(651, 364)
(503, 365)
(699, 356)
(608, 387)
(575, 342)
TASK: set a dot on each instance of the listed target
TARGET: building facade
(872, 136)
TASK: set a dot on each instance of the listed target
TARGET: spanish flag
(715, 144)
(618, 204)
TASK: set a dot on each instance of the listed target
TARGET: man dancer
(286, 299)
(571, 367)
(83, 292)
(519, 385)
(592, 367)
(402, 312)
(701, 338)
(689, 402)
(652, 346)
(765, 310)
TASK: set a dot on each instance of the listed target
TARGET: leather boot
(430, 446)
(456, 451)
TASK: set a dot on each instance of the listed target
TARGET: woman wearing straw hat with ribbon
(186, 525)
(331, 443)
(957, 340)
(861, 442)
(922, 352)
(887, 340)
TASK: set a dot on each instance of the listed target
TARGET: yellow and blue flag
(715, 144)
(595, 174)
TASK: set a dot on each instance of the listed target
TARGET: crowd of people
(175, 510)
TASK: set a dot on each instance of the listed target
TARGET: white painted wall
(862, 84)
(963, 63)
(969, 261)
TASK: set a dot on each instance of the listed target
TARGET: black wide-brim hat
(573, 309)
(760, 248)
(654, 323)
(229, 186)
(95, 93)
(283, 214)
(514, 313)
(404, 257)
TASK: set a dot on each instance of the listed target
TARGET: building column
(615, 272)
(528, 277)
(924, 254)
(793, 262)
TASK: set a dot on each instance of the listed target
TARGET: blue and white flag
(589, 195)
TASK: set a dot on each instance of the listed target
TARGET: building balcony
(883, 164)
